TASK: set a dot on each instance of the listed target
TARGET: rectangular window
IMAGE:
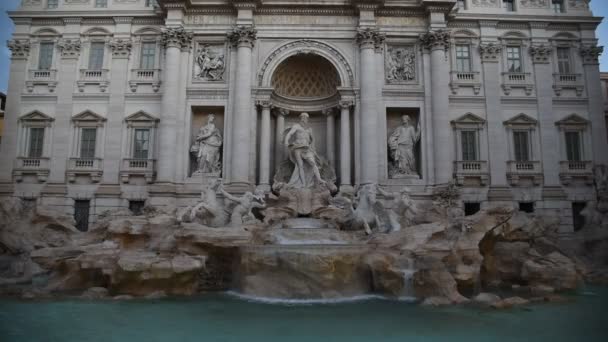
(81, 214)
(514, 62)
(101, 3)
(45, 58)
(52, 3)
(148, 55)
(141, 145)
(471, 208)
(558, 6)
(573, 146)
(563, 60)
(521, 145)
(463, 58)
(87, 143)
(36, 142)
(526, 207)
(96, 56)
(137, 207)
(508, 5)
(469, 145)
(578, 220)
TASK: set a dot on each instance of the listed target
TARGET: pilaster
(591, 54)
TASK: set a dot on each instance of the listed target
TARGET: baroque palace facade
(117, 103)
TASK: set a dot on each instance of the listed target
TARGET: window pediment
(36, 116)
(572, 122)
(141, 119)
(88, 118)
(468, 120)
(521, 121)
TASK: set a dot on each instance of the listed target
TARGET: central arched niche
(306, 76)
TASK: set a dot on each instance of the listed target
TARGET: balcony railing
(517, 80)
(517, 170)
(41, 77)
(570, 169)
(477, 169)
(93, 77)
(465, 79)
(137, 167)
(35, 166)
(145, 76)
(568, 81)
(85, 166)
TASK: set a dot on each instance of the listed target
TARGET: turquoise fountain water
(225, 318)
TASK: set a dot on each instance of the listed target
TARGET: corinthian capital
(121, 48)
(439, 39)
(489, 52)
(19, 47)
(369, 38)
(540, 53)
(591, 53)
(243, 36)
(176, 37)
(70, 48)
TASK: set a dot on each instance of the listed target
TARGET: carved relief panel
(400, 64)
(210, 62)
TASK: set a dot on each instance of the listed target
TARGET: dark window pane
(87, 143)
(521, 146)
(96, 56)
(81, 214)
(148, 55)
(36, 142)
(469, 145)
(471, 208)
(578, 220)
(141, 144)
(45, 59)
(573, 146)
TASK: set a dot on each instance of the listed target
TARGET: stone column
(345, 163)
(174, 39)
(330, 142)
(367, 39)
(121, 50)
(549, 140)
(20, 49)
(438, 43)
(264, 181)
(279, 148)
(243, 37)
(590, 55)
(66, 75)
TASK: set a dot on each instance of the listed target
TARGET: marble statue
(300, 145)
(207, 147)
(210, 65)
(401, 65)
(241, 213)
(401, 144)
(209, 211)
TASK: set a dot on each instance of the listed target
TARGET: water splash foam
(316, 301)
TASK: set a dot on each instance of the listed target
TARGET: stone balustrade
(145, 77)
(570, 170)
(568, 81)
(137, 168)
(38, 167)
(471, 170)
(92, 167)
(517, 170)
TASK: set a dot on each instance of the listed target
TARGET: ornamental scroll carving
(534, 3)
(489, 52)
(243, 35)
(485, 3)
(591, 53)
(70, 48)
(176, 37)
(439, 39)
(210, 63)
(540, 53)
(578, 4)
(121, 47)
(20, 48)
(400, 64)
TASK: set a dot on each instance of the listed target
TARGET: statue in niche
(210, 64)
(401, 65)
(241, 213)
(206, 147)
(401, 144)
(300, 145)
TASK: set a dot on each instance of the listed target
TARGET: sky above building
(599, 7)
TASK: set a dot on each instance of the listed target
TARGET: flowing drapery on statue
(401, 144)
(207, 147)
(300, 144)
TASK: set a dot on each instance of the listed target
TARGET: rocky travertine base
(451, 260)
